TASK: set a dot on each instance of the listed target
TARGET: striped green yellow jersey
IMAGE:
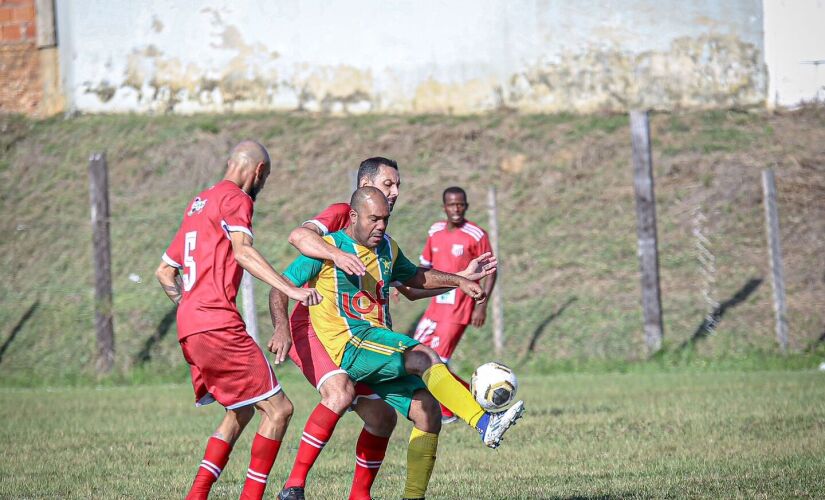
(351, 304)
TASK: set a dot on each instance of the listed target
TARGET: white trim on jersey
(318, 224)
(424, 262)
(169, 261)
(436, 227)
(476, 232)
(236, 229)
(327, 376)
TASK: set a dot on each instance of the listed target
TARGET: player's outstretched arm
(281, 340)
(307, 239)
(430, 278)
(169, 280)
(250, 259)
(482, 266)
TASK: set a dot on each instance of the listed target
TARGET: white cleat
(500, 422)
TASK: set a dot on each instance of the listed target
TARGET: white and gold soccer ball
(494, 386)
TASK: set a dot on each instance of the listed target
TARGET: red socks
(264, 451)
(317, 431)
(369, 453)
(214, 460)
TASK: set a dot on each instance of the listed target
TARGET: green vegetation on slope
(566, 221)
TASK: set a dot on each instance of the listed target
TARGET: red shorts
(227, 366)
(309, 355)
(442, 337)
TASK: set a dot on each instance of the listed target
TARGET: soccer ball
(494, 386)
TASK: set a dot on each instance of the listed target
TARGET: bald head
(249, 154)
(248, 167)
(369, 215)
(364, 195)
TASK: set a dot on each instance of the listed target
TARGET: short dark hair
(370, 166)
(454, 190)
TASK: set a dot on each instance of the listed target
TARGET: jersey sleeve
(484, 245)
(426, 258)
(174, 252)
(303, 269)
(236, 213)
(402, 268)
(334, 218)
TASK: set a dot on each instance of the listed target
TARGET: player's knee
(419, 359)
(277, 410)
(380, 420)
(337, 393)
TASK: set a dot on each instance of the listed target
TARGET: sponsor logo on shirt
(458, 250)
(197, 206)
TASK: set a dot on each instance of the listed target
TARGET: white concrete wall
(454, 56)
(795, 51)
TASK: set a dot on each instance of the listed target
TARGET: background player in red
(336, 389)
(201, 271)
(451, 245)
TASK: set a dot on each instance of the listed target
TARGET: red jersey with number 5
(202, 250)
(451, 252)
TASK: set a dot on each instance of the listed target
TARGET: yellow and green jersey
(352, 304)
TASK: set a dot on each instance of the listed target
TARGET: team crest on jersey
(458, 250)
(197, 206)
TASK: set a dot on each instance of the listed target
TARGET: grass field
(689, 434)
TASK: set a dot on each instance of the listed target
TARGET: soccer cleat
(498, 423)
(294, 493)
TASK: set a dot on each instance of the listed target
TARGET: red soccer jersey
(451, 252)
(202, 250)
(334, 218)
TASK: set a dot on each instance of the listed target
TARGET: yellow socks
(420, 462)
(449, 392)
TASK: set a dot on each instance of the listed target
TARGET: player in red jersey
(451, 245)
(201, 271)
(336, 389)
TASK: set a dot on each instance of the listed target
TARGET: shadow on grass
(715, 317)
(594, 497)
(161, 332)
(539, 331)
(19, 326)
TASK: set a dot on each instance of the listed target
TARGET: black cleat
(294, 493)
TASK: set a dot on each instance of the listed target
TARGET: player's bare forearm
(420, 293)
(169, 280)
(309, 242)
(307, 239)
(278, 308)
(489, 283)
(251, 260)
(430, 279)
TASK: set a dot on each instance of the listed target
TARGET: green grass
(566, 223)
(692, 434)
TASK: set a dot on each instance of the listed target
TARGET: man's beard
(254, 192)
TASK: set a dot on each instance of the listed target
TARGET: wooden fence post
(646, 228)
(99, 199)
(775, 255)
(498, 306)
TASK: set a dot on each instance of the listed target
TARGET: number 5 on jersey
(189, 261)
